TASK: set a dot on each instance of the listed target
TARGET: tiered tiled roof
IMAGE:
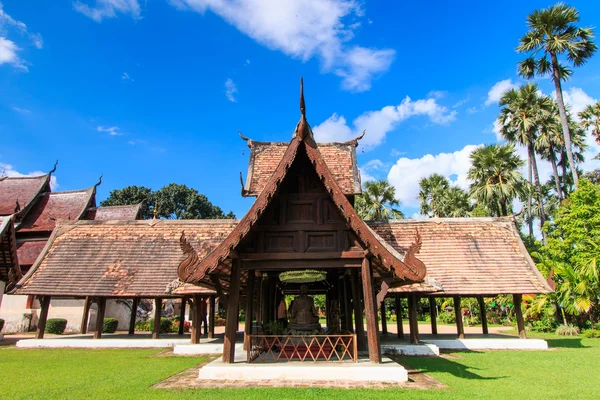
(52, 207)
(467, 255)
(9, 265)
(114, 213)
(23, 189)
(29, 251)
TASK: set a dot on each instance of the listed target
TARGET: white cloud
(437, 94)
(406, 172)
(577, 100)
(21, 110)
(379, 123)
(230, 90)
(8, 54)
(304, 30)
(498, 90)
(126, 77)
(108, 9)
(7, 21)
(111, 130)
(10, 171)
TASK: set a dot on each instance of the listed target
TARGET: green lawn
(571, 371)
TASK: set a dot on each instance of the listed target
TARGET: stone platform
(117, 340)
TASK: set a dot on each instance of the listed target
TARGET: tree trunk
(529, 216)
(504, 209)
(552, 157)
(538, 189)
(563, 116)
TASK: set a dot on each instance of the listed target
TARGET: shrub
(186, 326)
(142, 326)
(569, 330)
(56, 326)
(220, 321)
(110, 325)
(544, 325)
(447, 317)
(591, 334)
(1, 324)
(148, 326)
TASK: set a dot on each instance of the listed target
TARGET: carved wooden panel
(352, 242)
(301, 211)
(330, 213)
(321, 241)
(279, 242)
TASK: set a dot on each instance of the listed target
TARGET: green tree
(496, 180)
(378, 202)
(590, 119)
(431, 194)
(553, 33)
(131, 195)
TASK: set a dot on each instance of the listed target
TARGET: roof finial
(155, 210)
(53, 168)
(302, 105)
(17, 206)
(99, 181)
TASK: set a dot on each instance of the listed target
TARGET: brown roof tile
(29, 251)
(468, 255)
(24, 189)
(9, 265)
(114, 213)
(52, 207)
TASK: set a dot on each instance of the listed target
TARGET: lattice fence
(277, 348)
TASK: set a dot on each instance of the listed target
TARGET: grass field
(570, 371)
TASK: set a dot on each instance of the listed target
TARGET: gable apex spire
(302, 104)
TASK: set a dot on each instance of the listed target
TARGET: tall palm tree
(552, 32)
(431, 194)
(549, 142)
(496, 180)
(578, 135)
(456, 203)
(523, 111)
(378, 202)
(590, 119)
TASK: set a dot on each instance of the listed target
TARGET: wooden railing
(277, 348)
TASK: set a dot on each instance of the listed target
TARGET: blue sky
(153, 92)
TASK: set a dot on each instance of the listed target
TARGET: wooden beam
(133, 315)
(157, 316)
(412, 319)
(359, 327)
(460, 329)
(518, 300)
(181, 330)
(433, 315)
(211, 317)
(86, 315)
(371, 310)
(323, 255)
(41, 326)
(249, 308)
(399, 326)
(383, 318)
(483, 315)
(231, 323)
(280, 265)
(101, 301)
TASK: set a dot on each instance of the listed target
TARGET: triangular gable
(194, 270)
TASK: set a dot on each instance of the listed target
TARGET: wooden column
(399, 326)
(86, 315)
(100, 317)
(41, 326)
(157, 315)
(483, 314)
(196, 311)
(433, 315)
(371, 310)
(359, 327)
(249, 308)
(231, 323)
(460, 329)
(211, 317)
(182, 316)
(134, 307)
(383, 318)
(348, 301)
(518, 300)
(412, 319)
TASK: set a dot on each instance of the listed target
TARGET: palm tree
(378, 202)
(431, 194)
(522, 114)
(549, 142)
(590, 118)
(552, 32)
(496, 180)
(456, 203)
(578, 135)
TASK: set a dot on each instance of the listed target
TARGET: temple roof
(339, 157)
(120, 258)
(55, 206)
(22, 189)
(114, 213)
(28, 251)
(9, 265)
(467, 256)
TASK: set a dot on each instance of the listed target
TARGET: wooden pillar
(383, 319)
(182, 316)
(412, 319)
(211, 317)
(399, 326)
(433, 315)
(231, 323)
(86, 315)
(371, 310)
(157, 315)
(359, 327)
(460, 329)
(518, 300)
(134, 307)
(100, 317)
(41, 326)
(348, 301)
(483, 314)
(196, 311)
(249, 308)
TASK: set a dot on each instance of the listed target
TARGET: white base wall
(17, 318)
(411, 350)
(490, 344)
